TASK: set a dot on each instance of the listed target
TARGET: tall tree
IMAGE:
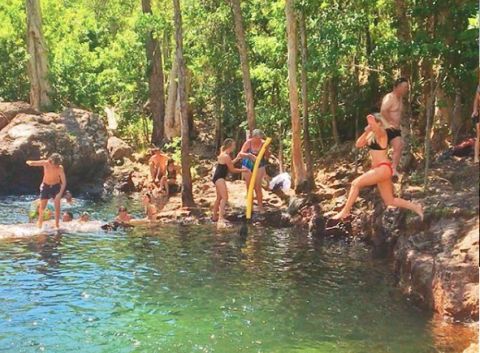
(306, 124)
(243, 53)
(172, 126)
(38, 57)
(187, 195)
(332, 87)
(155, 80)
(297, 158)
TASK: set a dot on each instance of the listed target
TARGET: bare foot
(341, 215)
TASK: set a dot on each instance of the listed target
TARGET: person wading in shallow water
(375, 137)
(52, 187)
(225, 164)
(391, 110)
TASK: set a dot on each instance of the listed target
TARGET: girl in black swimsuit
(225, 165)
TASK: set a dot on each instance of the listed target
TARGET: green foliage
(97, 57)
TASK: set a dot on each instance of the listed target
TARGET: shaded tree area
(103, 53)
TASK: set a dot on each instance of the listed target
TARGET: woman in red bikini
(375, 137)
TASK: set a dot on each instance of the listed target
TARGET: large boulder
(78, 135)
(118, 149)
(9, 110)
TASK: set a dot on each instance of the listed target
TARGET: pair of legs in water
(380, 176)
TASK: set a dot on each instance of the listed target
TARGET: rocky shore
(436, 261)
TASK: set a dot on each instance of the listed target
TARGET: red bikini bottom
(388, 164)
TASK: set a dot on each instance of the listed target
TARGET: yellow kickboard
(251, 186)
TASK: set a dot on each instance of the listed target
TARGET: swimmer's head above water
(67, 217)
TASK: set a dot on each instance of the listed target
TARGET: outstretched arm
(40, 163)
(231, 167)
(242, 155)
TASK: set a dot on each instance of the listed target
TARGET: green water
(191, 289)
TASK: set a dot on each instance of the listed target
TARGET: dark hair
(55, 158)
(70, 214)
(122, 209)
(399, 81)
(149, 196)
(227, 143)
(171, 161)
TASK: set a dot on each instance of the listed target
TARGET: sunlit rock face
(78, 135)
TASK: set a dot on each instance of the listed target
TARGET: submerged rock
(78, 135)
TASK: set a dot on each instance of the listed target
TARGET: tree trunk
(297, 158)
(457, 121)
(171, 128)
(242, 51)
(155, 80)
(428, 130)
(306, 124)
(333, 110)
(187, 195)
(38, 58)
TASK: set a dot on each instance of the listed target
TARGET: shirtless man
(53, 185)
(158, 165)
(391, 110)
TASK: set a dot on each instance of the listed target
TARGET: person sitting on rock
(53, 185)
(375, 137)
(123, 216)
(150, 208)
(67, 217)
(225, 164)
(158, 165)
(171, 177)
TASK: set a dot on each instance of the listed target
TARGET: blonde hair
(384, 124)
(226, 144)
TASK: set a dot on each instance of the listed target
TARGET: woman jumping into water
(225, 165)
(375, 137)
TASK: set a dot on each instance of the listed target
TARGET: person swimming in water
(53, 185)
(375, 137)
(225, 164)
(123, 216)
(252, 147)
(84, 217)
(67, 217)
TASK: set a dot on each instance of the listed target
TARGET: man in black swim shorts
(392, 109)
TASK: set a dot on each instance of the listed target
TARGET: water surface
(191, 289)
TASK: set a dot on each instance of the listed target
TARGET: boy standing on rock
(53, 185)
